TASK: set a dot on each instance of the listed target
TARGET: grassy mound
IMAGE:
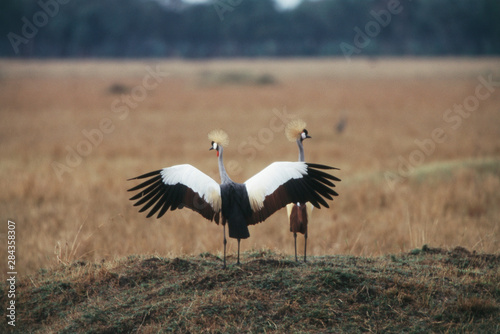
(426, 290)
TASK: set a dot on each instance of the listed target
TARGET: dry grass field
(419, 157)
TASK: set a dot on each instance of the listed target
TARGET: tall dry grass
(450, 199)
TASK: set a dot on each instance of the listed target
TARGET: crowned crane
(240, 204)
(299, 212)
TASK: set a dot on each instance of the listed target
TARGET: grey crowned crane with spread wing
(239, 204)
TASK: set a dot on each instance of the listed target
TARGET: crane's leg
(225, 242)
(295, 239)
(238, 252)
(305, 246)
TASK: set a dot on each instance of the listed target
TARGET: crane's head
(219, 139)
(296, 129)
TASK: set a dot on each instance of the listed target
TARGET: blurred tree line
(247, 28)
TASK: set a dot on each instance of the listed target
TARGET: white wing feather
(270, 178)
(206, 187)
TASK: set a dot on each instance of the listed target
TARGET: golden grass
(450, 199)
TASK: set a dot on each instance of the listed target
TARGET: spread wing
(177, 187)
(282, 183)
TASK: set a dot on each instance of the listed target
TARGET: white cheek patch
(214, 146)
(303, 135)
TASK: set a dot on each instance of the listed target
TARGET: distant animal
(299, 212)
(342, 123)
(239, 204)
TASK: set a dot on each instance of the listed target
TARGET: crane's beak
(212, 148)
(307, 136)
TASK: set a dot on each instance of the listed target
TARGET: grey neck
(224, 178)
(301, 150)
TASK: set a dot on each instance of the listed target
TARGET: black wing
(177, 187)
(282, 186)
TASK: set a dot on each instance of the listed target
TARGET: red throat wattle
(217, 153)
